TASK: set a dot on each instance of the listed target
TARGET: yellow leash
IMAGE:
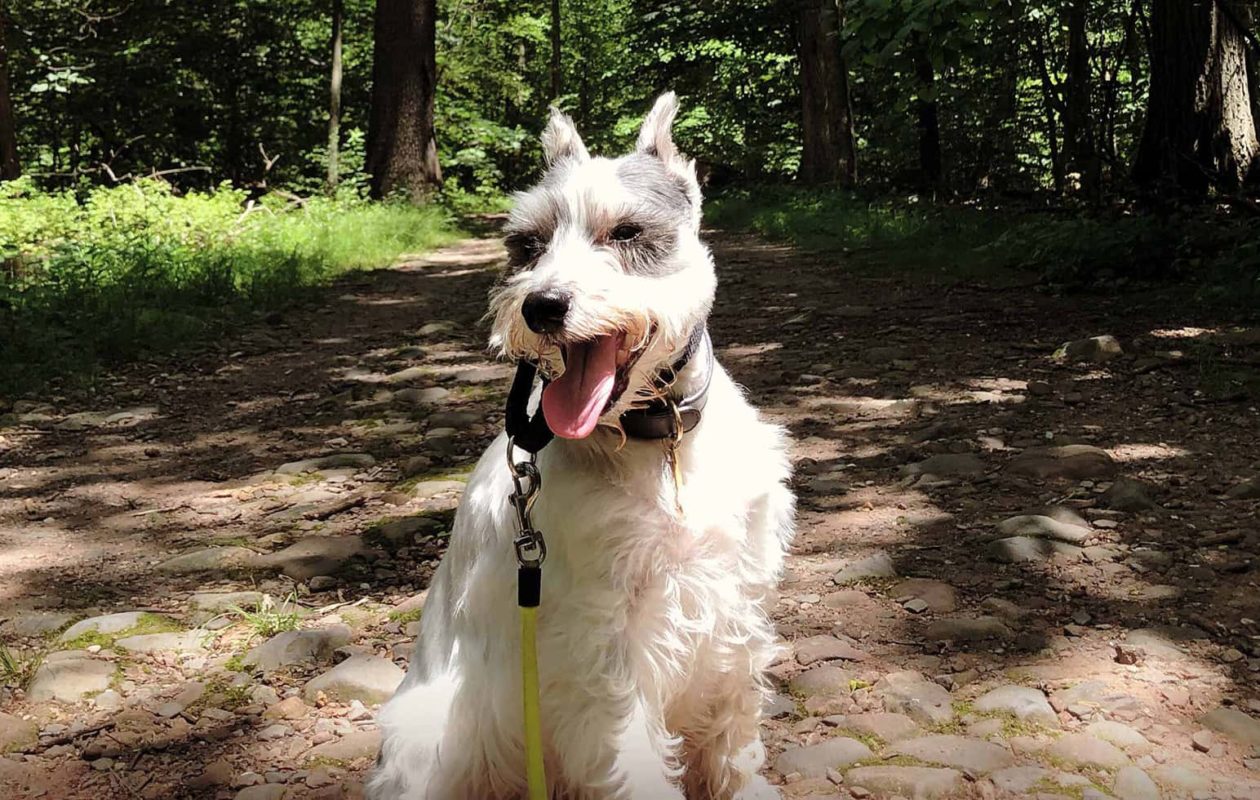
(535, 772)
(531, 551)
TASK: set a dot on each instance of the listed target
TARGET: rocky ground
(1021, 570)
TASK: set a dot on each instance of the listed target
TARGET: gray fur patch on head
(662, 205)
(560, 139)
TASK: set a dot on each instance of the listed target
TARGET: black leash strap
(531, 434)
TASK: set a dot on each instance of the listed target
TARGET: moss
(869, 739)
(1077, 792)
(890, 761)
(306, 478)
(403, 617)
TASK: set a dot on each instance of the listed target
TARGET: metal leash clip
(531, 549)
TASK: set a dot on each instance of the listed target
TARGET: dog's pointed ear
(656, 137)
(560, 139)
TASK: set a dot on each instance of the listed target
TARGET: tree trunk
(9, 166)
(555, 50)
(401, 148)
(1078, 135)
(828, 152)
(929, 121)
(334, 95)
(1200, 130)
(1050, 106)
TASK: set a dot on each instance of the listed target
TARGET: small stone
(314, 555)
(68, 676)
(288, 708)
(267, 791)
(216, 773)
(936, 596)
(826, 648)
(354, 745)
(1181, 777)
(1027, 704)
(1119, 734)
(29, 624)
(814, 760)
(322, 583)
(1133, 784)
(1247, 490)
(298, 647)
(276, 731)
(210, 559)
(366, 678)
(1082, 750)
(1070, 462)
(17, 733)
(108, 700)
(183, 642)
(921, 783)
(1203, 741)
(882, 724)
(1044, 526)
(974, 755)
(947, 465)
(777, 706)
(879, 565)
(916, 605)
(1233, 724)
(963, 629)
(105, 624)
(335, 461)
(825, 680)
(911, 694)
(1096, 349)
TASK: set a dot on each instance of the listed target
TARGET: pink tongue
(573, 402)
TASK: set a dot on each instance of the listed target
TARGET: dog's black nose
(545, 311)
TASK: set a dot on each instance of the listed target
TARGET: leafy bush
(136, 268)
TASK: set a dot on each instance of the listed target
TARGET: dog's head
(607, 276)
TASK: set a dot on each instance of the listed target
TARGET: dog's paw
(757, 788)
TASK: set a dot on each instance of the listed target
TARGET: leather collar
(660, 419)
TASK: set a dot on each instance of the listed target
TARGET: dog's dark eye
(625, 233)
(524, 248)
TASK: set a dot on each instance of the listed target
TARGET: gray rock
(297, 647)
(947, 465)
(1120, 735)
(425, 490)
(1071, 462)
(210, 559)
(918, 783)
(1024, 703)
(823, 680)
(880, 724)
(1022, 549)
(365, 678)
(68, 676)
(1018, 780)
(422, 397)
(1096, 349)
(351, 747)
(911, 694)
(1044, 526)
(1234, 724)
(17, 733)
(1134, 784)
(105, 624)
(814, 760)
(1082, 750)
(1182, 777)
(1093, 693)
(218, 602)
(777, 705)
(36, 623)
(183, 642)
(1160, 642)
(314, 555)
(108, 700)
(964, 629)
(937, 596)
(1127, 494)
(1247, 490)
(825, 648)
(335, 461)
(878, 565)
(263, 791)
(975, 755)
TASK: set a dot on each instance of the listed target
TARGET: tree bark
(828, 152)
(334, 95)
(1200, 129)
(10, 167)
(931, 164)
(555, 50)
(1078, 135)
(401, 146)
(1050, 105)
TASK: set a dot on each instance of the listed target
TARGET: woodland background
(169, 163)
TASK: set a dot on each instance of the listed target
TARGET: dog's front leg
(644, 759)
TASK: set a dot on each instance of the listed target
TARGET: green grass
(930, 242)
(149, 623)
(18, 669)
(136, 270)
(267, 619)
(404, 617)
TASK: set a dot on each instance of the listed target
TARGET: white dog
(653, 632)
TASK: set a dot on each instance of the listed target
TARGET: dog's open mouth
(596, 373)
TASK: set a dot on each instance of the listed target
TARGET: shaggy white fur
(653, 633)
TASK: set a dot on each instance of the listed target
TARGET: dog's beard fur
(654, 290)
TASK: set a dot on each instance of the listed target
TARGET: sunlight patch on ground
(999, 390)
(1147, 452)
(863, 406)
(1183, 333)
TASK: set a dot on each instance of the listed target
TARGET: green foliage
(137, 268)
(269, 618)
(18, 669)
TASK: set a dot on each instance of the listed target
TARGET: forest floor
(1013, 575)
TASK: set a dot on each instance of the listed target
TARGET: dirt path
(1014, 576)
